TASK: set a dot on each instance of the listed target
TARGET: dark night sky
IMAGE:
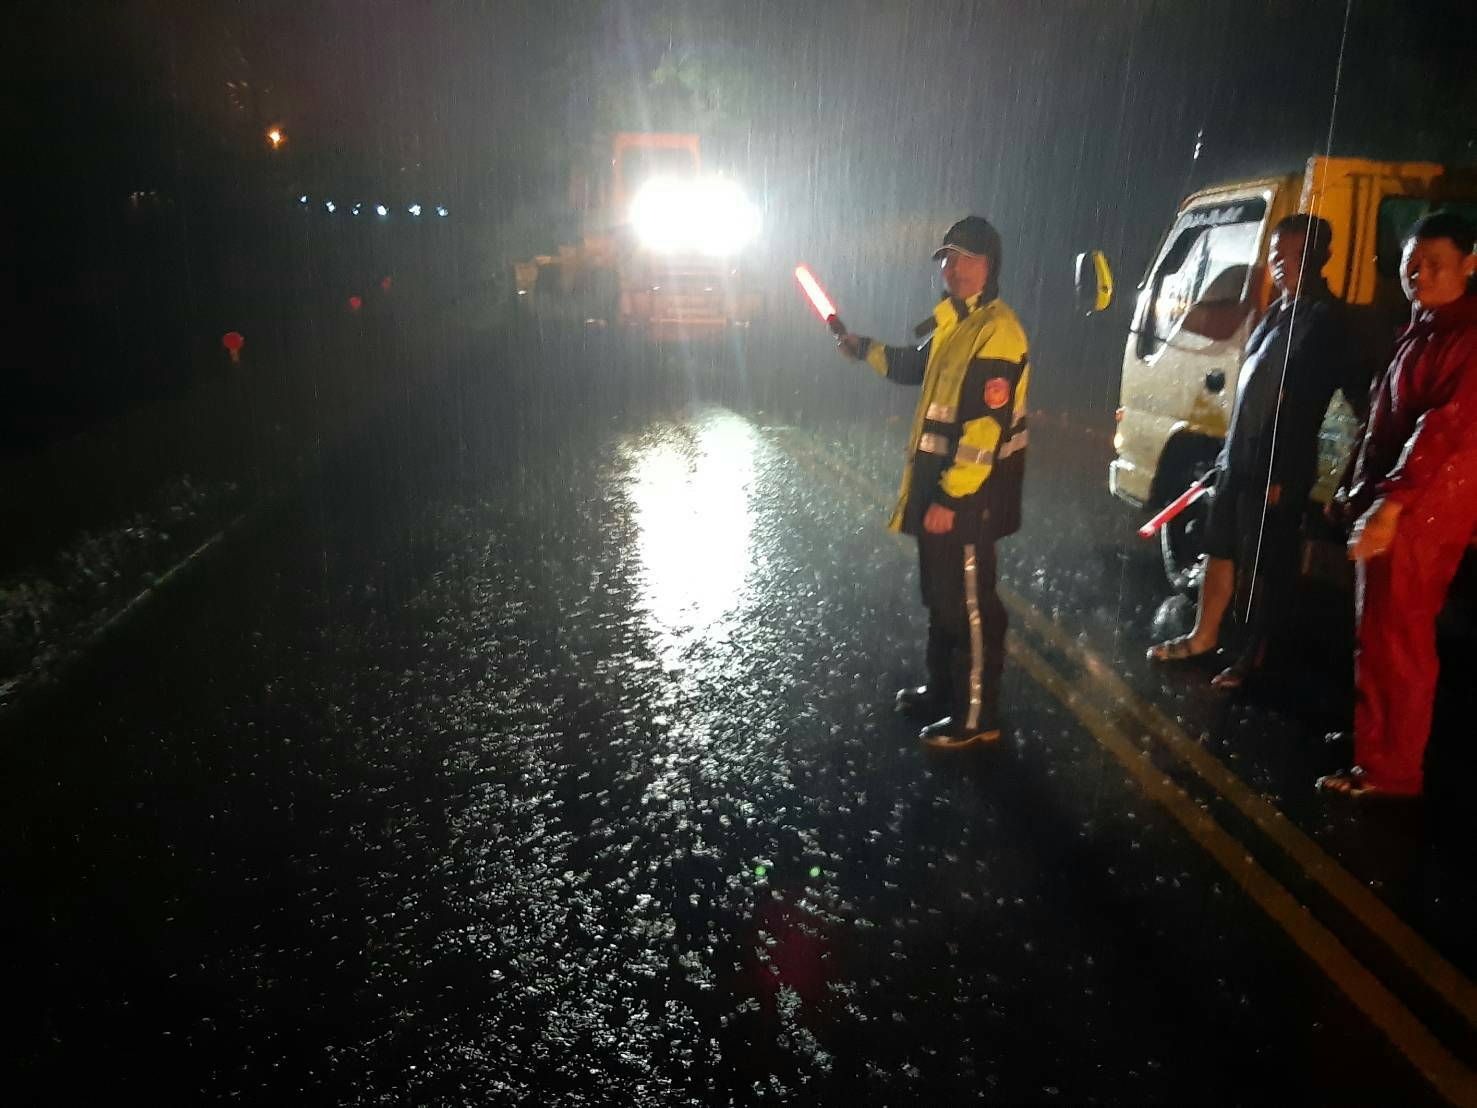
(910, 105)
(1075, 114)
(863, 127)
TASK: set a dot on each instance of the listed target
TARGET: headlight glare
(705, 217)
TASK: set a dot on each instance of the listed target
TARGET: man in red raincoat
(1413, 488)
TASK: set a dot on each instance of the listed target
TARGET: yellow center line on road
(1435, 972)
(1439, 1066)
(1453, 1079)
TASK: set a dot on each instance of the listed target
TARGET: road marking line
(43, 671)
(1448, 1075)
(1443, 978)
(1378, 919)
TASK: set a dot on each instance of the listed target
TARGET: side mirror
(1094, 282)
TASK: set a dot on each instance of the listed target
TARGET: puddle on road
(691, 490)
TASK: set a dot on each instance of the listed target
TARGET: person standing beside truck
(1299, 353)
(962, 483)
(1413, 491)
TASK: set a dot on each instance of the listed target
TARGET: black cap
(973, 235)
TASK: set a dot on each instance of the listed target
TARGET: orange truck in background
(662, 246)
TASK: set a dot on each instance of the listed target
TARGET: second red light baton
(1176, 506)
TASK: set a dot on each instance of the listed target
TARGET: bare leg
(1216, 591)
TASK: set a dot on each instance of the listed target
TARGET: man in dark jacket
(962, 483)
(1413, 489)
(1299, 353)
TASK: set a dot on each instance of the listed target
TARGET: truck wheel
(1182, 539)
(1181, 542)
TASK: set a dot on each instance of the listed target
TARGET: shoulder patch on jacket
(997, 392)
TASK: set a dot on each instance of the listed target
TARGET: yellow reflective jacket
(967, 447)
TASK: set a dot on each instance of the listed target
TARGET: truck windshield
(641, 164)
(1206, 258)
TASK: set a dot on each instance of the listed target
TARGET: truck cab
(661, 244)
(1206, 286)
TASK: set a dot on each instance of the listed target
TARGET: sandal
(1233, 677)
(1242, 670)
(1355, 784)
(1176, 650)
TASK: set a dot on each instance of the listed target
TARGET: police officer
(961, 487)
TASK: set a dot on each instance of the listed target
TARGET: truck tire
(1181, 543)
(1182, 539)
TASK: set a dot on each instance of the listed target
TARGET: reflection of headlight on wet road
(690, 488)
(705, 217)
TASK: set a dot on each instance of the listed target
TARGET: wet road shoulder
(1431, 1022)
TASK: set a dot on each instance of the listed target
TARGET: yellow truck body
(1209, 281)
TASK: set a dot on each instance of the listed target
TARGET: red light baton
(1176, 506)
(819, 300)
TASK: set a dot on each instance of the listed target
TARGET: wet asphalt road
(542, 752)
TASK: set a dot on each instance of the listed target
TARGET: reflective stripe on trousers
(966, 624)
(976, 639)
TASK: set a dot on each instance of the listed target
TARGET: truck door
(1193, 315)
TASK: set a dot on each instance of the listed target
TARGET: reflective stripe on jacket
(966, 449)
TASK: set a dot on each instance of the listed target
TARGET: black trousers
(1265, 542)
(966, 625)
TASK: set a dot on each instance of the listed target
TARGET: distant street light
(276, 137)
